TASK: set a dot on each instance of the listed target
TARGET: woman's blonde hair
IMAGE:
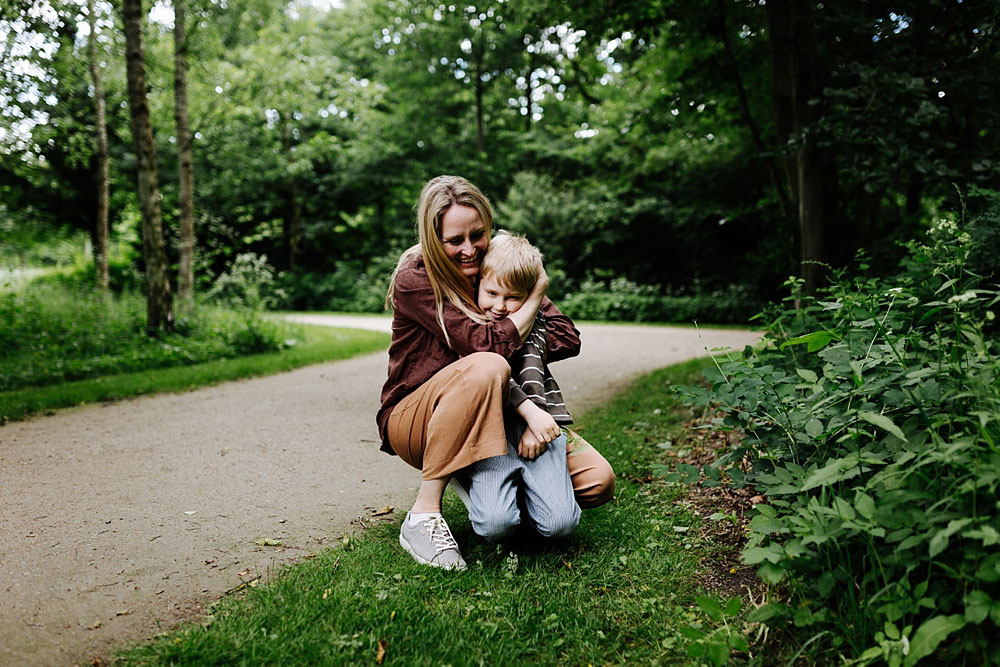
(447, 282)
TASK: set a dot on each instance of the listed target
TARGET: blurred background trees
(699, 150)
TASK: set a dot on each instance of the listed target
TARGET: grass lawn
(617, 591)
(317, 344)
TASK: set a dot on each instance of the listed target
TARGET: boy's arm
(541, 429)
(562, 339)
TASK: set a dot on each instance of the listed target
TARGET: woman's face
(463, 236)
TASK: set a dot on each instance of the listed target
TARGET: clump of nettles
(871, 417)
(248, 287)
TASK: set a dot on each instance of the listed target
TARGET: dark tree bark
(185, 261)
(795, 80)
(100, 157)
(159, 301)
(293, 222)
(478, 50)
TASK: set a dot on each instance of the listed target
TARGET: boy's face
(498, 301)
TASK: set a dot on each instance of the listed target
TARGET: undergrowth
(871, 418)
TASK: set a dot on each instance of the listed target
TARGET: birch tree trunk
(100, 157)
(159, 306)
(185, 261)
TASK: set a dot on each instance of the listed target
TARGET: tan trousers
(456, 418)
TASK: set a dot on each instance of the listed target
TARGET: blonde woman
(442, 404)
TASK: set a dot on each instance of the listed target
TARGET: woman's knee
(490, 367)
(600, 487)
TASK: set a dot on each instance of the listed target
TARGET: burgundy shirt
(418, 349)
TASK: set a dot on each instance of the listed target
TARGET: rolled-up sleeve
(562, 338)
(413, 298)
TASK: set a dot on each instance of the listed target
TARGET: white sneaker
(430, 542)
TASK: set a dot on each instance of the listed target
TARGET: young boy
(534, 472)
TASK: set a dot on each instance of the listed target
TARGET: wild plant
(870, 420)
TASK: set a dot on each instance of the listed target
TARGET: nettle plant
(871, 419)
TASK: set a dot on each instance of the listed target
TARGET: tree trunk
(100, 157)
(479, 92)
(794, 81)
(293, 222)
(748, 119)
(159, 306)
(185, 260)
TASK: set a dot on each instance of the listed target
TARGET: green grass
(614, 592)
(317, 344)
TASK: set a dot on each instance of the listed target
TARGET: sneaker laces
(441, 535)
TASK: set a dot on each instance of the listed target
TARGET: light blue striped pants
(500, 486)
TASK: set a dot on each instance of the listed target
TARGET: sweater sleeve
(562, 338)
(413, 298)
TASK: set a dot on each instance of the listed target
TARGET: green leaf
(977, 606)
(738, 643)
(771, 572)
(766, 612)
(718, 653)
(733, 607)
(864, 504)
(931, 633)
(831, 472)
(710, 607)
(940, 540)
(814, 341)
(807, 375)
(814, 428)
(883, 423)
(691, 633)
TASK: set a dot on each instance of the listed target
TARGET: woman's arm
(562, 338)
(413, 299)
(524, 318)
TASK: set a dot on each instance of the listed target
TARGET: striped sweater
(530, 378)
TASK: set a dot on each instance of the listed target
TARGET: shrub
(871, 420)
(52, 333)
(621, 300)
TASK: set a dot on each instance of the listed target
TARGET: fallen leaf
(96, 625)
(123, 612)
(757, 500)
(253, 584)
(190, 512)
(327, 592)
(392, 616)
(388, 509)
(380, 656)
(244, 573)
(268, 542)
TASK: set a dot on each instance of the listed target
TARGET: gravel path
(120, 519)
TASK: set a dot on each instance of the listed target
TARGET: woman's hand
(524, 317)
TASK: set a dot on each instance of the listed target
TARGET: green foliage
(621, 300)
(714, 644)
(871, 417)
(54, 333)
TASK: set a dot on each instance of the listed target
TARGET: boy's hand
(530, 447)
(541, 428)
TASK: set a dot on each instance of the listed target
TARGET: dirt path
(120, 519)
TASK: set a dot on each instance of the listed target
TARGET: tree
(159, 306)
(185, 192)
(100, 156)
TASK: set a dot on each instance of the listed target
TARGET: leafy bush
(351, 287)
(871, 418)
(621, 300)
(52, 333)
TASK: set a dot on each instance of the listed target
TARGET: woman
(442, 404)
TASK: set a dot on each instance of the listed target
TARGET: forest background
(672, 160)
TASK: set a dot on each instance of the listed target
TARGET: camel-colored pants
(456, 418)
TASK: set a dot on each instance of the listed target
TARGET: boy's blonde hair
(512, 261)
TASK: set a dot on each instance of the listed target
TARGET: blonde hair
(512, 261)
(437, 196)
